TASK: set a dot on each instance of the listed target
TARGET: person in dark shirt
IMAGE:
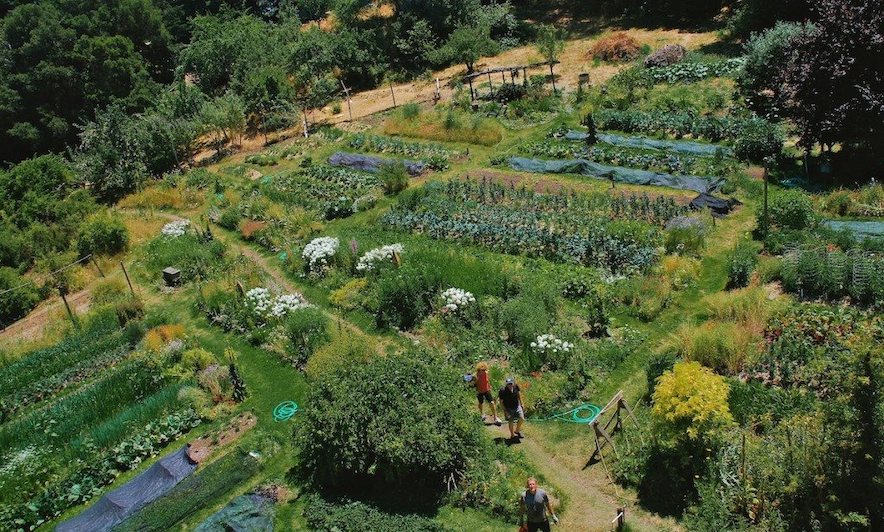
(511, 398)
(535, 503)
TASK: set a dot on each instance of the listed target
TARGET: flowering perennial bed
(378, 256)
(176, 228)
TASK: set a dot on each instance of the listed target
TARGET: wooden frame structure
(503, 70)
(603, 433)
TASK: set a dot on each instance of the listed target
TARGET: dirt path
(34, 324)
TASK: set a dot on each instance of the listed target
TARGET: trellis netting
(679, 146)
(246, 513)
(370, 163)
(114, 507)
(619, 174)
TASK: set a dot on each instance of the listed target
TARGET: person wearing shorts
(535, 503)
(483, 392)
(511, 398)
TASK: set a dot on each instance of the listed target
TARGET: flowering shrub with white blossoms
(265, 306)
(318, 252)
(372, 259)
(176, 228)
(546, 344)
(455, 299)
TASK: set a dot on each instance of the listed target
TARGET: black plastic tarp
(370, 163)
(718, 206)
(246, 513)
(124, 501)
(619, 174)
(679, 146)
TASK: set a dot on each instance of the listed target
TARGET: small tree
(466, 45)
(592, 134)
(551, 44)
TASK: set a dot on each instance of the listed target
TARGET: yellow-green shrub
(344, 350)
(692, 400)
(349, 296)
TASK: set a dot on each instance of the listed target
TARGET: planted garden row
(435, 156)
(91, 473)
(620, 246)
(754, 138)
(331, 192)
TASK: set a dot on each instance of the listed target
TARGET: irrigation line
(31, 281)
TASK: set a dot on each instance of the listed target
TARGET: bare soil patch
(203, 447)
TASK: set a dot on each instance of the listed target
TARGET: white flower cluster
(260, 300)
(371, 259)
(455, 299)
(176, 228)
(288, 303)
(548, 343)
(319, 251)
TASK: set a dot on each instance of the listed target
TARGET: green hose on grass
(584, 414)
(285, 410)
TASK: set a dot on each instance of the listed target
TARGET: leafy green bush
(307, 331)
(758, 140)
(345, 515)
(791, 209)
(411, 110)
(394, 177)
(397, 423)
(18, 302)
(404, 296)
(102, 233)
(741, 263)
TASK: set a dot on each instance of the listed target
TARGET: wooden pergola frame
(503, 70)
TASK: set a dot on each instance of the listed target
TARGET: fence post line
(96, 265)
(131, 290)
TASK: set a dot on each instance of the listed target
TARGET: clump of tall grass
(447, 126)
(750, 307)
(724, 346)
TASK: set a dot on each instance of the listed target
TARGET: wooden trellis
(603, 431)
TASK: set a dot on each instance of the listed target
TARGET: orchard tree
(225, 117)
(551, 44)
(466, 45)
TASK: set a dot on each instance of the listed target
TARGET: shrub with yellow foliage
(691, 400)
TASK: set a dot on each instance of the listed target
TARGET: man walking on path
(511, 397)
(483, 392)
(535, 503)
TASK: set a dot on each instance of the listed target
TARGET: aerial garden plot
(257, 301)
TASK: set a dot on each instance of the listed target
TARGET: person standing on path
(535, 503)
(511, 398)
(483, 392)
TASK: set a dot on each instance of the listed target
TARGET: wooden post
(97, 267)
(393, 94)
(766, 219)
(131, 290)
(347, 93)
(438, 94)
(525, 76)
(490, 85)
(68, 307)
(305, 123)
(552, 77)
(472, 95)
(503, 77)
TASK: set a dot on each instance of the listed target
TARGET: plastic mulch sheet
(246, 513)
(369, 163)
(679, 146)
(124, 501)
(859, 229)
(719, 206)
(619, 174)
